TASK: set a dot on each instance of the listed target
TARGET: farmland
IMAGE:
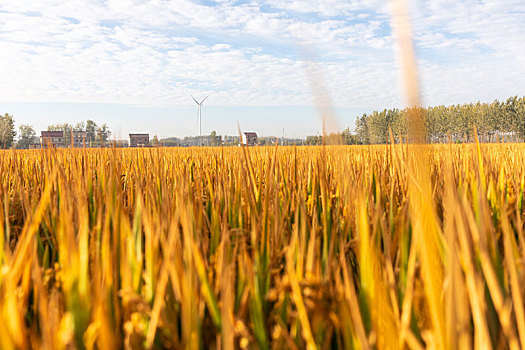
(267, 247)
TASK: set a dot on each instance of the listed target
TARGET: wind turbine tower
(200, 116)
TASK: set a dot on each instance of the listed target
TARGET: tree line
(96, 135)
(494, 122)
(345, 137)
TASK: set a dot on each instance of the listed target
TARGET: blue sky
(264, 64)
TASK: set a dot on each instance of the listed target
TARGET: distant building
(52, 138)
(250, 138)
(79, 138)
(138, 140)
(60, 139)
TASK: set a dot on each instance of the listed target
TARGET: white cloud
(329, 8)
(158, 52)
(470, 50)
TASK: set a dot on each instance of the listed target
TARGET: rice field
(364, 247)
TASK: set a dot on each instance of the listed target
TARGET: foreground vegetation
(308, 247)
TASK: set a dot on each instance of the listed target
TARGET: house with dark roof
(250, 138)
(52, 138)
(138, 140)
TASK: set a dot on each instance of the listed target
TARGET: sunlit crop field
(263, 248)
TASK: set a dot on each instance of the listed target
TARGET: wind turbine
(200, 117)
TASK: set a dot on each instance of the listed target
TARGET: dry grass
(319, 247)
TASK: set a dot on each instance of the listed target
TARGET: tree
(27, 136)
(214, 139)
(103, 134)
(361, 129)
(91, 130)
(348, 138)
(7, 130)
(155, 141)
(58, 127)
(80, 126)
(313, 140)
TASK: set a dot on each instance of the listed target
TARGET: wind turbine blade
(204, 100)
(194, 99)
